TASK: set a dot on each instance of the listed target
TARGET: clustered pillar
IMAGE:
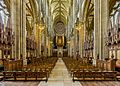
(101, 14)
(18, 18)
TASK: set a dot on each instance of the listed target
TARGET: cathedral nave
(59, 42)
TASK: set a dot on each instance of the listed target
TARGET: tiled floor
(60, 76)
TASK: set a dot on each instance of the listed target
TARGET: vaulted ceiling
(60, 10)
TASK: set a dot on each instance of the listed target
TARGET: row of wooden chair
(36, 70)
(80, 70)
(38, 64)
(94, 75)
(25, 75)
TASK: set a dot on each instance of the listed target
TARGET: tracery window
(114, 15)
(3, 12)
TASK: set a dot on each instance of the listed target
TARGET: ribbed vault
(60, 10)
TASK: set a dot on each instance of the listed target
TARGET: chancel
(59, 42)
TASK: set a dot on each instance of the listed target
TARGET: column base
(94, 62)
(24, 62)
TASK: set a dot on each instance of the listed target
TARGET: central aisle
(60, 76)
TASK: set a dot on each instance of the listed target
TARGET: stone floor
(60, 77)
(100, 83)
(14, 83)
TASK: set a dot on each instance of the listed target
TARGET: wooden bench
(36, 70)
(20, 75)
(94, 75)
(25, 75)
(81, 70)
(110, 74)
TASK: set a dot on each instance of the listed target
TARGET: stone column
(18, 17)
(45, 41)
(15, 18)
(37, 38)
(115, 53)
(42, 41)
(49, 47)
(83, 39)
(23, 31)
(34, 35)
(104, 15)
(96, 30)
(70, 47)
(39, 41)
(80, 44)
(74, 44)
(68, 43)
